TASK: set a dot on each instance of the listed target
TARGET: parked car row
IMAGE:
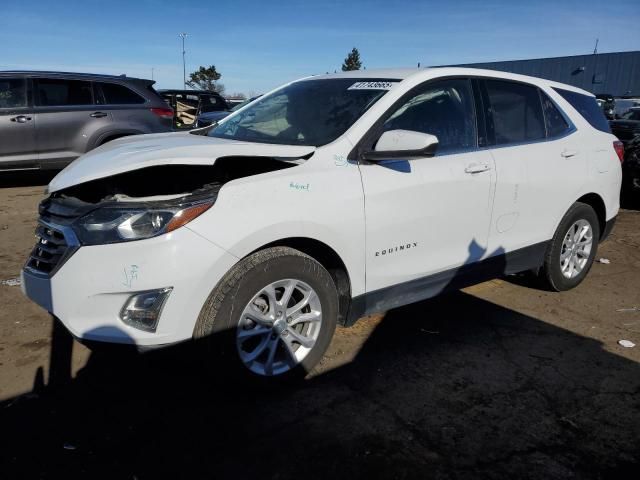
(189, 105)
(615, 108)
(47, 119)
(627, 129)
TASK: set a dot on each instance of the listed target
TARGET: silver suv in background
(47, 119)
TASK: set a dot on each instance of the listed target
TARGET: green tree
(352, 62)
(206, 78)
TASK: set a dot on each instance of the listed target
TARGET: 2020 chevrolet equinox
(329, 198)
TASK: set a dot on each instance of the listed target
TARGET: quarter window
(444, 109)
(587, 107)
(58, 93)
(516, 112)
(553, 119)
(115, 94)
(13, 93)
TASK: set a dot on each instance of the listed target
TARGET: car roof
(189, 92)
(86, 76)
(428, 72)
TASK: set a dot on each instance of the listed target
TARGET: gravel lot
(501, 380)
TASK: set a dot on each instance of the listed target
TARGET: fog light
(142, 310)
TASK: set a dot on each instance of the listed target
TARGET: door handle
(21, 119)
(566, 153)
(477, 168)
(98, 114)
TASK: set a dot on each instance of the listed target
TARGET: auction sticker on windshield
(372, 86)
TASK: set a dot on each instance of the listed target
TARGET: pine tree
(206, 78)
(352, 62)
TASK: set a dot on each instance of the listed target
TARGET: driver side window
(444, 109)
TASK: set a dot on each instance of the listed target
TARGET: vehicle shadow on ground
(454, 387)
(26, 178)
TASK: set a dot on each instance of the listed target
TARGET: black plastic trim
(454, 279)
(608, 227)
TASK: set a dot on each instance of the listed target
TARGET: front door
(426, 218)
(17, 132)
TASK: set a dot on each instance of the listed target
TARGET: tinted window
(587, 107)
(13, 93)
(53, 92)
(631, 115)
(115, 94)
(443, 109)
(516, 112)
(554, 120)
(308, 112)
(210, 103)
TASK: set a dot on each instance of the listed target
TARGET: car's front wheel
(573, 248)
(272, 315)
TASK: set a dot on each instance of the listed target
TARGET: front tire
(272, 316)
(573, 248)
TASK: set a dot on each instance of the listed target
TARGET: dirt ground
(501, 380)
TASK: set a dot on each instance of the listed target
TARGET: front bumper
(89, 290)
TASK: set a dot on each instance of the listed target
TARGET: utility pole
(594, 79)
(184, 65)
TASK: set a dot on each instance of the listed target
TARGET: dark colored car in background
(607, 103)
(47, 119)
(627, 127)
(209, 118)
(189, 104)
(631, 168)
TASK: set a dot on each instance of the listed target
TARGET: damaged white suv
(329, 198)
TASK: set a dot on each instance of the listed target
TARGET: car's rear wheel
(272, 316)
(573, 248)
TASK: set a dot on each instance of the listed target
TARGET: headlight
(122, 223)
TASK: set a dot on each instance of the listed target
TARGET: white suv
(327, 199)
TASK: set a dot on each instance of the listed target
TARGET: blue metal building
(615, 73)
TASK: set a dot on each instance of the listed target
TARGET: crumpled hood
(141, 151)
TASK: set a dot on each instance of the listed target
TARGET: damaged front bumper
(87, 293)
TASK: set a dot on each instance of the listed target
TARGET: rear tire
(572, 250)
(249, 321)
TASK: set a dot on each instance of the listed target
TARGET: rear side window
(210, 103)
(555, 122)
(58, 93)
(516, 112)
(13, 92)
(588, 108)
(114, 94)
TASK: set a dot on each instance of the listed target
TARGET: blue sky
(257, 45)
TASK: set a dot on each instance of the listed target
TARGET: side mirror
(402, 144)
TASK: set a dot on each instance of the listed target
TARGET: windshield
(632, 115)
(309, 112)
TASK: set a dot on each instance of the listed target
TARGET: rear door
(17, 132)
(540, 166)
(131, 113)
(66, 119)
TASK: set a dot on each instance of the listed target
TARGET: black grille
(50, 249)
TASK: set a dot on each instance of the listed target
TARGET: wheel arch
(329, 259)
(596, 202)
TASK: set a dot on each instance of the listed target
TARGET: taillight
(163, 112)
(618, 146)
